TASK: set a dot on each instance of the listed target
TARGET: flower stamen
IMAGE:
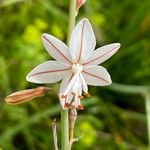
(71, 83)
(63, 96)
(80, 107)
(86, 94)
(80, 97)
(73, 93)
(67, 105)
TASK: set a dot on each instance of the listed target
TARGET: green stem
(129, 89)
(133, 89)
(147, 103)
(71, 21)
(64, 130)
(64, 113)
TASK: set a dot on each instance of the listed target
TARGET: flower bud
(79, 3)
(26, 95)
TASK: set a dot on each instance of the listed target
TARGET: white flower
(76, 65)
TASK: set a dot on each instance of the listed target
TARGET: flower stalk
(147, 105)
(64, 130)
(54, 128)
(64, 113)
(71, 20)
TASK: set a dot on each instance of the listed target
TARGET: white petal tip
(34, 81)
(28, 78)
(117, 45)
(85, 20)
(109, 82)
(44, 34)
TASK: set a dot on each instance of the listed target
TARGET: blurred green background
(112, 119)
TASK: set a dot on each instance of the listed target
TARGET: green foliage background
(111, 120)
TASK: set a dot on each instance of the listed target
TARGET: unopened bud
(27, 95)
(73, 117)
(79, 3)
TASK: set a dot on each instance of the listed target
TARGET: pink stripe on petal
(57, 49)
(81, 48)
(49, 71)
(87, 73)
(101, 55)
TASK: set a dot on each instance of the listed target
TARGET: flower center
(77, 68)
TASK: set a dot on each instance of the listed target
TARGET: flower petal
(101, 54)
(84, 84)
(97, 76)
(82, 42)
(63, 87)
(65, 81)
(56, 48)
(47, 72)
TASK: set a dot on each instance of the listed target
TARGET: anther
(80, 107)
(63, 96)
(73, 101)
(80, 97)
(73, 93)
(67, 105)
(87, 94)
